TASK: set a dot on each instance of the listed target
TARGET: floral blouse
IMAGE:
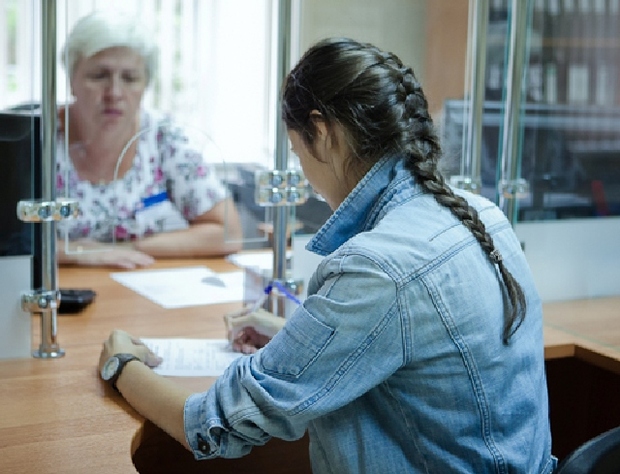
(168, 185)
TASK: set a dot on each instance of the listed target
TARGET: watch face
(109, 368)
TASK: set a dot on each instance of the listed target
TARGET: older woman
(144, 192)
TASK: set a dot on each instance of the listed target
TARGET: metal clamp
(40, 301)
(290, 288)
(45, 211)
(513, 189)
(466, 182)
(281, 188)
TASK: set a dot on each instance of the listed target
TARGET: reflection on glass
(141, 178)
(207, 76)
(572, 116)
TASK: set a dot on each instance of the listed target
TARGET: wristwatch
(111, 370)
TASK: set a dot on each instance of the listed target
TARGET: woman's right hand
(249, 330)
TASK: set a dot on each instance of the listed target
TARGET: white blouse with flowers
(167, 186)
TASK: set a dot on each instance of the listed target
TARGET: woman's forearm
(91, 253)
(155, 398)
(199, 240)
(215, 233)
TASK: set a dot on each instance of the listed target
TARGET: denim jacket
(394, 363)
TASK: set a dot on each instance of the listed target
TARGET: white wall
(573, 258)
(394, 25)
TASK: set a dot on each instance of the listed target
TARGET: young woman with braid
(419, 348)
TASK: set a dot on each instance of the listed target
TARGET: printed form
(192, 357)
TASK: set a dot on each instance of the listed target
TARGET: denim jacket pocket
(296, 346)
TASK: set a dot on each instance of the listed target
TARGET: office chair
(600, 455)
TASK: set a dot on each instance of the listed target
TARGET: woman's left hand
(122, 342)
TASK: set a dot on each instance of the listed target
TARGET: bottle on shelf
(552, 27)
(569, 19)
(539, 17)
(550, 82)
(578, 80)
(611, 28)
(599, 18)
(584, 23)
(535, 81)
(498, 11)
(555, 81)
(605, 82)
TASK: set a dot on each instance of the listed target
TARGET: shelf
(549, 116)
(581, 43)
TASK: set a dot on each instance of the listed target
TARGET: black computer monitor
(20, 179)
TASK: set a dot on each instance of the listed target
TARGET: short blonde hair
(101, 30)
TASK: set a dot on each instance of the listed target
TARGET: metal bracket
(466, 182)
(40, 301)
(45, 211)
(281, 188)
(45, 302)
(284, 297)
(513, 189)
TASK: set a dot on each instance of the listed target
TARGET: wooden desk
(56, 416)
(582, 348)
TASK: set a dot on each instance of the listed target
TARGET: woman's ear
(323, 137)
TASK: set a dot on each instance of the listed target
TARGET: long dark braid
(422, 159)
(382, 107)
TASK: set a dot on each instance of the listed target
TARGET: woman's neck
(95, 153)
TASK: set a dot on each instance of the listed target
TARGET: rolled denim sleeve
(203, 441)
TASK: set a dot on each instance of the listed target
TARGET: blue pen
(287, 293)
(260, 301)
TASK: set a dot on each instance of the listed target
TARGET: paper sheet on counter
(181, 287)
(192, 357)
(257, 260)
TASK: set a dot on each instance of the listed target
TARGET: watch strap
(123, 360)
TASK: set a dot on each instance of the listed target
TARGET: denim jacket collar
(386, 185)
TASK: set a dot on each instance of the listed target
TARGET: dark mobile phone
(74, 300)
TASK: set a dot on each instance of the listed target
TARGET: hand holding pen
(252, 327)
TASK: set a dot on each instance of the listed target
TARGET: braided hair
(380, 106)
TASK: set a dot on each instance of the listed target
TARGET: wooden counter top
(56, 416)
(589, 328)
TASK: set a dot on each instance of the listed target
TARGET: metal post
(473, 155)
(510, 185)
(49, 347)
(281, 149)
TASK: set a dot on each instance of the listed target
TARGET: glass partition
(569, 115)
(208, 111)
(202, 129)
(567, 130)
(567, 202)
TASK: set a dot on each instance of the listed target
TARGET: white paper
(192, 357)
(256, 260)
(182, 287)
